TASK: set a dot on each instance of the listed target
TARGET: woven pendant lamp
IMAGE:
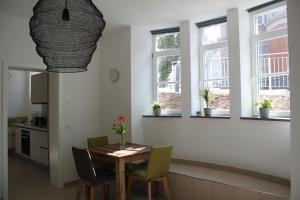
(66, 33)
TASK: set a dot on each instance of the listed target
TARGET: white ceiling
(119, 13)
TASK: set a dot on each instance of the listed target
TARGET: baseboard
(254, 174)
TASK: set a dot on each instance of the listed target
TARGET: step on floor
(199, 183)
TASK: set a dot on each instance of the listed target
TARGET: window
(270, 59)
(167, 71)
(214, 67)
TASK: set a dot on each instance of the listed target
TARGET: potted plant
(120, 129)
(156, 106)
(264, 107)
(206, 95)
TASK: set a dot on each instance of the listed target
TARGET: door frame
(54, 126)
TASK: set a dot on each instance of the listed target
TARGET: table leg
(120, 179)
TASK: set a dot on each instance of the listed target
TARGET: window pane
(220, 100)
(214, 34)
(273, 72)
(169, 95)
(216, 64)
(275, 19)
(169, 69)
(167, 42)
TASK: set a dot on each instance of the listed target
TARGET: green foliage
(266, 103)
(165, 67)
(156, 105)
(165, 42)
(171, 41)
(206, 95)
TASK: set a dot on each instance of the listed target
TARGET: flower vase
(122, 142)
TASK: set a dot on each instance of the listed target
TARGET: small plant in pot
(206, 95)
(264, 107)
(156, 106)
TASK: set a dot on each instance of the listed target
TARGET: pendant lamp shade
(66, 33)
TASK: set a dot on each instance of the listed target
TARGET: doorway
(28, 135)
(54, 160)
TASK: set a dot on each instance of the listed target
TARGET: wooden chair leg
(87, 192)
(79, 190)
(149, 190)
(129, 187)
(157, 190)
(166, 187)
(105, 191)
(92, 192)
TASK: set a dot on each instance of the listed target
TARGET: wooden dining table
(133, 152)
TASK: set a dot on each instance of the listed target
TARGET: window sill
(212, 117)
(163, 116)
(267, 119)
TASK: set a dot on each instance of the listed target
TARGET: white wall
(16, 43)
(115, 52)
(16, 47)
(294, 48)
(262, 146)
(141, 68)
(78, 101)
(18, 85)
(79, 108)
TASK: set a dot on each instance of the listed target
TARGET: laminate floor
(29, 182)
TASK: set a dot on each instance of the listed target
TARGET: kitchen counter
(31, 127)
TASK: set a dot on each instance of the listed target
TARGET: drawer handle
(44, 148)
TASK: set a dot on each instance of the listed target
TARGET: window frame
(202, 49)
(255, 38)
(155, 56)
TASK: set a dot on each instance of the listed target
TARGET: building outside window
(167, 70)
(214, 66)
(270, 58)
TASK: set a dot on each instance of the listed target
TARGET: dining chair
(100, 163)
(156, 170)
(91, 178)
(97, 141)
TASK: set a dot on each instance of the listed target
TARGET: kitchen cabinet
(44, 149)
(34, 145)
(39, 145)
(39, 88)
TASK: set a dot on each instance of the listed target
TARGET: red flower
(121, 119)
(120, 126)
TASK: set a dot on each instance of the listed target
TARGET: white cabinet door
(35, 145)
(18, 141)
(39, 147)
(39, 88)
(44, 159)
(44, 150)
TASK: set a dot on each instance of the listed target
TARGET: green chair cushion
(158, 164)
(139, 173)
